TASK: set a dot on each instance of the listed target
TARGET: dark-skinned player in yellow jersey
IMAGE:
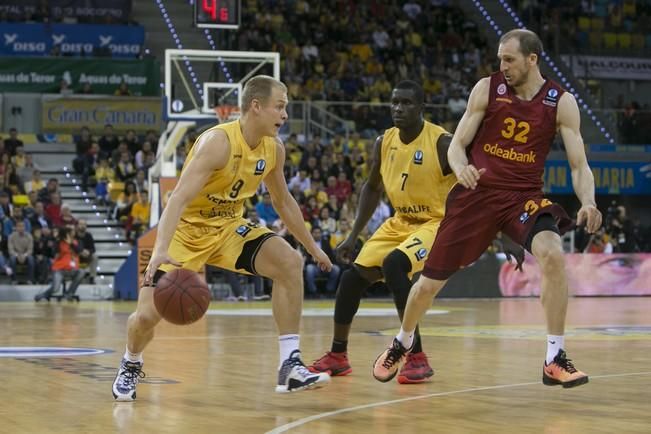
(410, 164)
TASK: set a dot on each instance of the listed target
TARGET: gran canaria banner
(70, 113)
(39, 75)
(610, 177)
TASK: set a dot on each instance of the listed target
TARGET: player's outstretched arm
(211, 152)
(467, 174)
(289, 211)
(569, 123)
(369, 198)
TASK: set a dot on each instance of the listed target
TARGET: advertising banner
(587, 274)
(83, 10)
(613, 68)
(614, 177)
(34, 75)
(60, 114)
(35, 39)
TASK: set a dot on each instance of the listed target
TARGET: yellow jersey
(223, 196)
(412, 174)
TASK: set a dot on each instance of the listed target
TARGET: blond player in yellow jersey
(410, 164)
(203, 224)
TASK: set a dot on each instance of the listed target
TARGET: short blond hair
(259, 87)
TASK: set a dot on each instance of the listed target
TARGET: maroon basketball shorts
(474, 217)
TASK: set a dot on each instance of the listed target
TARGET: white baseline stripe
(305, 420)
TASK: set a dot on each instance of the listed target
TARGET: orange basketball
(181, 296)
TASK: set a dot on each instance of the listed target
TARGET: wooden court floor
(218, 376)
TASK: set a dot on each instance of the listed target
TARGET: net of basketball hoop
(227, 113)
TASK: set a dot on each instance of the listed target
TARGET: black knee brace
(396, 268)
(349, 294)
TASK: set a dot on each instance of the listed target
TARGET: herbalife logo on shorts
(259, 167)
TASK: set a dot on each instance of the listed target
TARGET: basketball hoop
(226, 113)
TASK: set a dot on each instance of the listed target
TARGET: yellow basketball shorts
(413, 239)
(233, 246)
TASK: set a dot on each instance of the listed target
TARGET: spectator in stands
(300, 181)
(53, 210)
(104, 175)
(19, 159)
(4, 265)
(116, 155)
(312, 271)
(6, 208)
(82, 145)
(132, 142)
(36, 183)
(66, 216)
(12, 142)
(86, 89)
(139, 218)
(21, 248)
(141, 155)
(64, 87)
(39, 219)
(90, 161)
(25, 172)
(141, 182)
(124, 202)
(253, 217)
(108, 142)
(44, 251)
(125, 169)
(327, 224)
(44, 194)
(381, 213)
(86, 249)
(64, 267)
(265, 208)
(122, 90)
(11, 178)
(457, 105)
(10, 223)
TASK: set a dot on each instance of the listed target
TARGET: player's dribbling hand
(345, 250)
(589, 216)
(156, 261)
(322, 260)
(469, 175)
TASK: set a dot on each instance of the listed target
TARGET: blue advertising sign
(615, 177)
(71, 39)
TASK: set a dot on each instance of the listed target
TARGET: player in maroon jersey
(498, 155)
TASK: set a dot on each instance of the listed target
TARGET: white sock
(554, 343)
(133, 357)
(406, 338)
(287, 344)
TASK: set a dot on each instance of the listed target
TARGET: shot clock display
(217, 14)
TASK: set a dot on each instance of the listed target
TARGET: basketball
(181, 296)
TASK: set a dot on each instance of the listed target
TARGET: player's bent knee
(289, 265)
(427, 287)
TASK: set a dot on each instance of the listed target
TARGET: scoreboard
(217, 14)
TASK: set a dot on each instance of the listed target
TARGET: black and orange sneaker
(387, 364)
(562, 372)
(335, 364)
(416, 369)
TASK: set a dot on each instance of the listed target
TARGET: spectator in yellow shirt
(139, 218)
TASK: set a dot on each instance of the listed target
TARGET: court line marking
(305, 420)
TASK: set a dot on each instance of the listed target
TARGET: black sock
(417, 345)
(339, 346)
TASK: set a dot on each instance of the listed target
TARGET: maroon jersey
(515, 136)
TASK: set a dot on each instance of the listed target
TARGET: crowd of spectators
(116, 167)
(339, 50)
(32, 217)
(616, 27)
